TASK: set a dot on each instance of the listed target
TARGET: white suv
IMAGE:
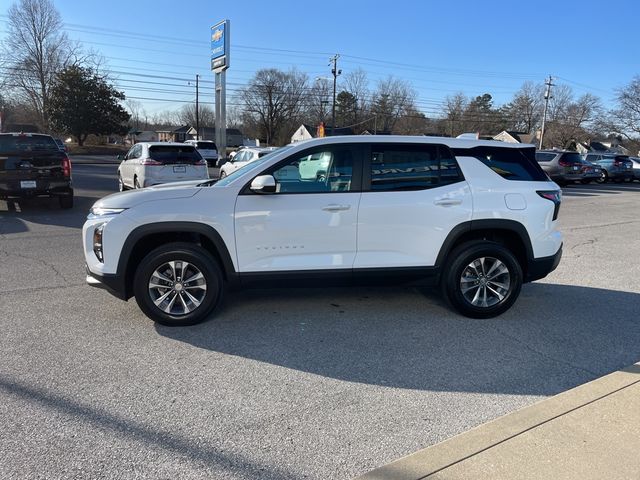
(153, 163)
(207, 149)
(244, 156)
(478, 218)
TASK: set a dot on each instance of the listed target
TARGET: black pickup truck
(32, 164)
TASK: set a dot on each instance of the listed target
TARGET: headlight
(103, 211)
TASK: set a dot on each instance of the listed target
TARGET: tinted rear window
(572, 157)
(544, 156)
(206, 145)
(509, 163)
(174, 154)
(20, 144)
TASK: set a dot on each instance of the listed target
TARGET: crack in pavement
(544, 355)
(39, 261)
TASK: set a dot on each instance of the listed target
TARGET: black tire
(604, 176)
(66, 201)
(168, 313)
(136, 183)
(459, 261)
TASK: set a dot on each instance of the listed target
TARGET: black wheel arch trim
(142, 231)
(487, 224)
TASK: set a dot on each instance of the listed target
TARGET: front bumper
(538, 268)
(112, 283)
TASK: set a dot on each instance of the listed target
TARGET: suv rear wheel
(178, 284)
(482, 279)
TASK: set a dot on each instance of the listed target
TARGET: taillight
(66, 166)
(554, 196)
(563, 163)
(150, 161)
(200, 163)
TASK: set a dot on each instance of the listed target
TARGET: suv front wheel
(482, 279)
(178, 284)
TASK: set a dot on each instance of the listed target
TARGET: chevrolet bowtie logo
(217, 35)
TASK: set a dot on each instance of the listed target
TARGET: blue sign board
(220, 46)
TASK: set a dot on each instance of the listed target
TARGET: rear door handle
(448, 202)
(336, 208)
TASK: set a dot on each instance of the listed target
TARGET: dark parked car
(614, 166)
(636, 167)
(591, 172)
(32, 164)
(562, 166)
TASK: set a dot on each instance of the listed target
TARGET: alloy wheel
(485, 282)
(177, 287)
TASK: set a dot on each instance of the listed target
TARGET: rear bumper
(538, 268)
(12, 189)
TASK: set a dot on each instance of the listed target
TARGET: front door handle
(448, 202)
(335, 208)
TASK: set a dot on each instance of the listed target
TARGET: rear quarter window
(510, 163)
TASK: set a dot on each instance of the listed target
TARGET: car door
(308, 223)
(413, 196)
(125, 168)
(132, 163)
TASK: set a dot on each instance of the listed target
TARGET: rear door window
(169, 154)
(397, 167)
(510, 163)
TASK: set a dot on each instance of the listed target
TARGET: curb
(434, 459)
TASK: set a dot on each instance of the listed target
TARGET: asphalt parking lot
(319, 384)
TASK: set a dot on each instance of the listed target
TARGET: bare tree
(187, 115)
(570, 119)
(36, 49)
(273, 101)
(524, 112)
(357, 84)
(318, 101)
(627, 115)
(391, 100)
(454, 109)
(138, 114)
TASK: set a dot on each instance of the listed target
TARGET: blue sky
(439, 47)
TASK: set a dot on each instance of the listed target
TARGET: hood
(167, 191)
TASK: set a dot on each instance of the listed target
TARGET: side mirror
(263, 184)
(119, 157)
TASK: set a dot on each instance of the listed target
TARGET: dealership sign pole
(219, 65)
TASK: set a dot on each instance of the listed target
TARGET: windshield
(249, 167)
(206, 145)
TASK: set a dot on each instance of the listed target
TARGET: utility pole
(197, 111)
(335, 73)
(547, 95)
